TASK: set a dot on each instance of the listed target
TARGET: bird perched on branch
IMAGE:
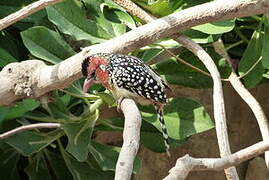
(127, 77)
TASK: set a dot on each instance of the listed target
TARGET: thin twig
(26, 11)
(184, 62)
(29, 127)
(186, 164)
(250, 69)
(131, 138)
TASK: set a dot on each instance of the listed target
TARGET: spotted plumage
(127, 77)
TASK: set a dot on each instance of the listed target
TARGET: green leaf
(30, 142)
(265, 45)
(151, 54)
(159, 7)
(174, 72)
(116, 14)
(250, 56)
(107, 156)
(155, 142)
(82, 171)
(13, 47)
(78, 143)
(3, 113)
(5, 58)
(216, 27)
(97, 11)
(199, 37)
(37, 168)
(183, 117)
(46, 44)
(111, 124)
(190, 3)
(79, 137)
(8, 164)
(65, 99)
(21, 108)
(58, 166)
(70, 18)
(107, 98)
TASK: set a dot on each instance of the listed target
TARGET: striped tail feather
(164, 130)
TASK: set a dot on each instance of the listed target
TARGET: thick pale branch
(186, 164)
(26, 11)
(29, 127)
(63, 74)
(131, 138)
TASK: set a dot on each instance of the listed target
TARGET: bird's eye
(102, 67)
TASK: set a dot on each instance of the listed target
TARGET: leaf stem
(183, 61)
(241, 35)
(234, 45)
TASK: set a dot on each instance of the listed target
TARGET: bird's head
(94, 69)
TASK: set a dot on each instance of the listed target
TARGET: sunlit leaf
(82, 171)
(30, 142)
(79, 137)
(216, 27)
(20, 108)
(250, 56)
(183, 117)
(46, 44)
(70, 18)
(265, 45)
(107, 156)
(159, 7)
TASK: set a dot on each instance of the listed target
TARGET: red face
(96, 73)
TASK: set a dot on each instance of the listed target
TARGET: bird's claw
(119, 103)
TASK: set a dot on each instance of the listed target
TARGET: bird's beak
(87, 84)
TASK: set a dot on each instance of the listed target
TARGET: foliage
(58, 32)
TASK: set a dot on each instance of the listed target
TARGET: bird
(128, 77)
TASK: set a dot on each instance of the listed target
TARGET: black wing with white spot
(133, 75)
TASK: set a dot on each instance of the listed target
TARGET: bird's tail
(164, 130)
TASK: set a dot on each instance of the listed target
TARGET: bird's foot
(119, 103)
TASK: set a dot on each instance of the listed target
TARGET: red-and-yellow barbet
(127, 77)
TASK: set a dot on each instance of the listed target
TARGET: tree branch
(255, 107)
(218, 100)
(247, 97)
(26, 11)
(29, 127)
(135, 10)
(186, 163)
(131, 138)
(48, 78)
